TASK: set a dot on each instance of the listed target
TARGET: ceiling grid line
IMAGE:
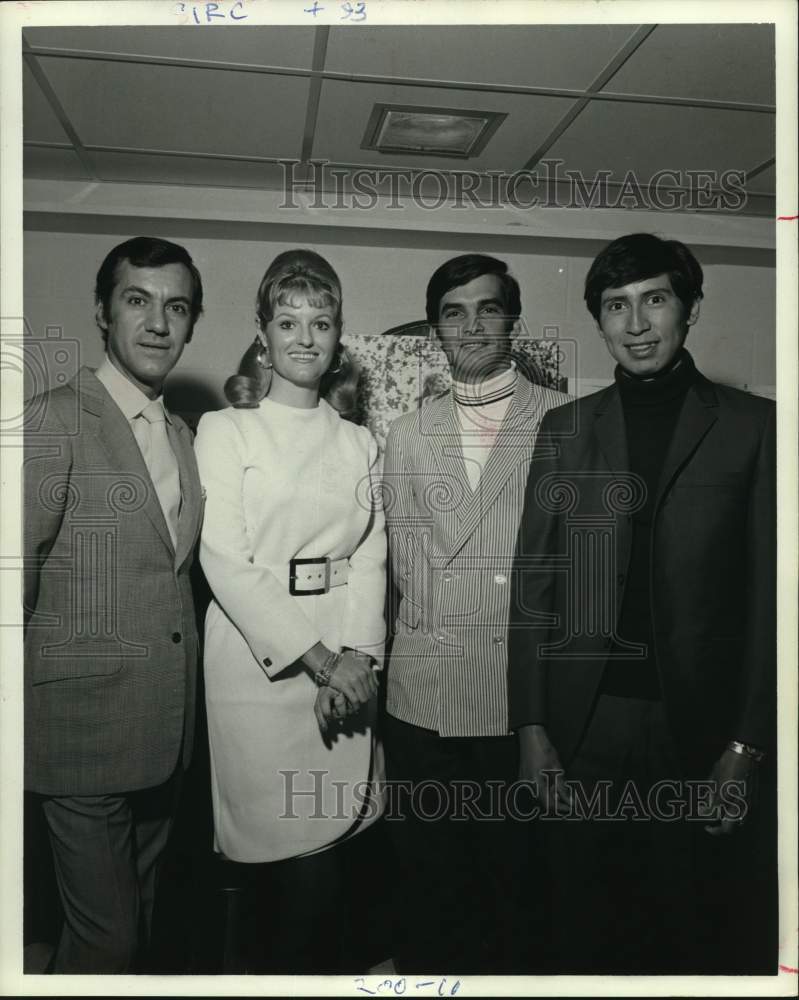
(56, 107)
(637, 39)
(321, 38)
(398, 81)
(275, 160)
(759, 169)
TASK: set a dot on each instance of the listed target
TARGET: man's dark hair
(460, 271)
(641, 256)
(147, 251)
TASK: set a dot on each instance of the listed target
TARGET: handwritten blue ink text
(208, 13)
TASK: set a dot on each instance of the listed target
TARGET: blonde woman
(293, 547)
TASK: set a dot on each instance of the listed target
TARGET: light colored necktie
(150, 430)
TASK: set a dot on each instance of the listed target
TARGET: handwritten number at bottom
(399, 986)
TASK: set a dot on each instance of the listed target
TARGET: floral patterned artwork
(399, 373)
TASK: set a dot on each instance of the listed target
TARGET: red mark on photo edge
(787, 218)
(788, 968)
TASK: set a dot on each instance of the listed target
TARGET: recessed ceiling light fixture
(398, 128)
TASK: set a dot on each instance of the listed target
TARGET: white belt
(316, 576)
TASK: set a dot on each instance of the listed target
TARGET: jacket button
(267, 662)
(500, 578)
(498, 640)
(176, 637)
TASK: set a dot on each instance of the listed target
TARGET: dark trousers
(462, 885)
(639, 890)
(106, 850)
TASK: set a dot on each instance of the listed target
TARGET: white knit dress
(283, 483)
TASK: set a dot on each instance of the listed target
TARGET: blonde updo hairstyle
(292, 276)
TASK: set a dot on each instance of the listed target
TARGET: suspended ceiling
(224, 107)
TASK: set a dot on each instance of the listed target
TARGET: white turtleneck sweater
(480, 408)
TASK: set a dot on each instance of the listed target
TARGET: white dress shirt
(132, 402)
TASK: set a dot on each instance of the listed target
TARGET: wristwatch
(746, 750)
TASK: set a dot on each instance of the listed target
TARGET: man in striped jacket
(454, 480)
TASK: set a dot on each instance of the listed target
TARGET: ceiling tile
(52, 164)
(764, 183)
(523, 55)
(142, 168)
(260, 45)
(650, 138)
(719, 62)
(344, 111)
(197, 110)
(39, 122)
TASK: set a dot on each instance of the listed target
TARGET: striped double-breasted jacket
(451, 553)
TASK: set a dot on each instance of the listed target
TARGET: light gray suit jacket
(451, 555)
(110, 638)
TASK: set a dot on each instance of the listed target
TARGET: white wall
(384, 286)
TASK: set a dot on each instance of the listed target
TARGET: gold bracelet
(322, 677)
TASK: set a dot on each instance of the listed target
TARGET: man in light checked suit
(454, 479)
(112, 513)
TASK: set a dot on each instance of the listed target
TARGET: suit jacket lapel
(511, 453)
(610, 430)
(117, 440)
(443, 439)
(698, 414)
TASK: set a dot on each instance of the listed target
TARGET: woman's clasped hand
(353, 682)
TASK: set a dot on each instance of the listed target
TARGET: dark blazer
(110, 639)
(713, 570)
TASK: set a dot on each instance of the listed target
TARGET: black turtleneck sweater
(651, 410)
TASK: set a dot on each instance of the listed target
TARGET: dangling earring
(339, 362)
(262, 358)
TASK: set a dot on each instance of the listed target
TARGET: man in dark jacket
(643, 641)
